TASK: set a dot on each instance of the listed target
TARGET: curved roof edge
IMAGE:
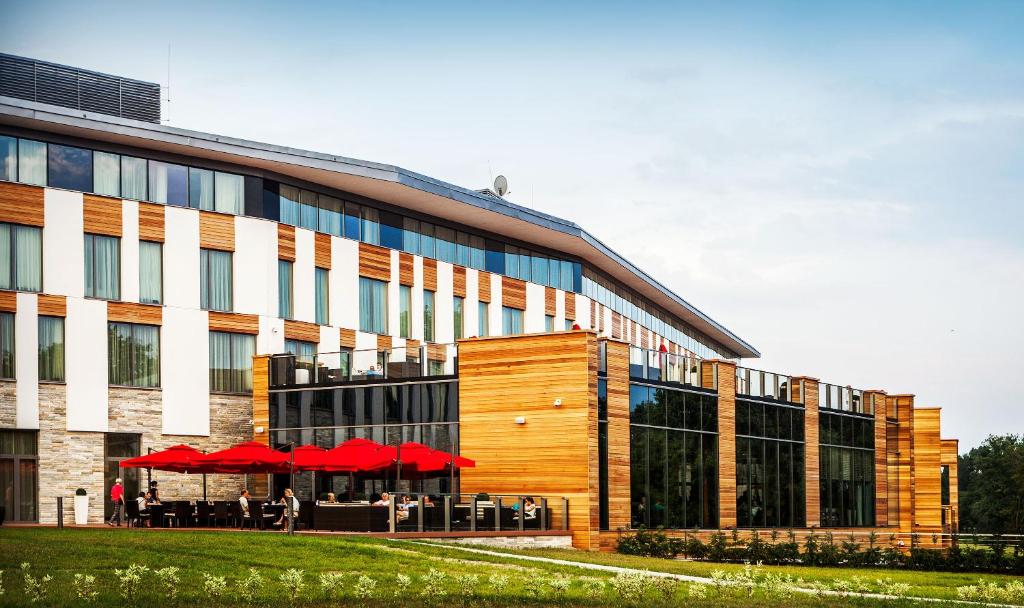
(74, 122)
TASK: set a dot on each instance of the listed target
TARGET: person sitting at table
(403, 506)
(141, 500)
(331, 498)
(385, 500)
(427, 501)
(529, 508)
(243, 501)
(151, 499)
(288, 497)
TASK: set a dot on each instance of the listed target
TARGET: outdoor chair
(203, 513)
(182, 514)
(132, 515)
(220, 512)
(234, 514)
(257, 518)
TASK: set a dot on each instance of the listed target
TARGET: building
(165, 286)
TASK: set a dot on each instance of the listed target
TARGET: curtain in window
(220, 362)
(428, 316)
(230, 193)
(482, 319)
(146, 355)
(6, 345)
(133, 178)
(307, 209)
(289, 212)
(512, 321)
(322, 278)
(243, 348)
(119, 353)
(106, 173)
(28, 258)
(150, 272)
(405, 311)
(231, 362)
(373, 301)
(216, 280)
(8, 158)
(305, 353)
(5, 257)
(370, 232)
(330, 210)
(102, 267)
(200, 189)
(457, 304)
(31, 162)
(51, 348)
(284, 289)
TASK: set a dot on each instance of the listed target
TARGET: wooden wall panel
(216, 231)
(322, 250)
(726, 444)
(903, 407)
(21, 204)
(809, 388)
(300, 330)
(128, 312)
(513, 293)
(570, 306)
(616, 325)
(881, 460)
(619, 506)
(950, 453)
(8, 301)
(459, 281)
(151, 222)
(374, 262)
(429, 274)
(927, 478)
(53, 306)
(261, 399)
(235, 323)
(502, 378)
(286, 242)
(383, 343)
(483, 286)
(347, 337)
(550, 293)
(405, 268)
(101, 215)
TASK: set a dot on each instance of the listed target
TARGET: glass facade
(102, 267)
(69, 168)
(7, 345)
(847, 469)
(770, 487)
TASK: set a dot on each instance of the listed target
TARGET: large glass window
(305, 354)
(511, 321)
(231, 362)
(428, 316)
(482, 318)
(19, 474)
(405, 311)
(106, 174)
(229, 193)
(285, 289)
(458, 304)
(31, 162)
(331, 215)
(21, 257)
(322, 280)
(133, 352)
(289, 210)
(215, 291)
(168, 184)
(7, 345)
(70, 168)
(151, 270)
(200, 189)
(102, 267)
(51, 349)
(369, 226)
(8, 158)
(307, 209)
(847, 469)
(373, 306)
(769, 465)
(133, 178)
(549, 323)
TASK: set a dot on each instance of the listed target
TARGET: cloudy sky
(840, 186)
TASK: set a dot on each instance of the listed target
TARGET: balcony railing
(366, 365)
(766, 385)
(646, 364)
(844, 399)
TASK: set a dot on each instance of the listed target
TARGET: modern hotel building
(164, 286)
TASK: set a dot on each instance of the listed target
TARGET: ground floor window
(673, 477)
(118, 447)
(19, 475)
(847, 487)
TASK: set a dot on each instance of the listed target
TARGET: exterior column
(878, 401)
(258, 484)
(724, 373)
(950, 453)
(808, 394)
(927, 475)
(619, 483)
(903, 407)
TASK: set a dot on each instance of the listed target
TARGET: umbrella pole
(149, 472)
(291, 482)
(351, 487)
(204, 487)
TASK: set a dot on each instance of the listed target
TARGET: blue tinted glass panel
(289, 205)
(495, 258)
(445, 244)
(352, 221)
(511, 261)
(70, 168)
(168, 184)
(565, 281)
(540, 270)
(462, 249)
(410, 235)
(427, 242)
(330, 215)
(307, 209)
(577, 277)
(369, 227)
(476, 252)
(391, 230)
(525, 262)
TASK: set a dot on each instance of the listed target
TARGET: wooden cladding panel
(616, 325)
(881, 461)
(513, 293)
(383, 343)
(8, 301)
(483, 286)
(128, 312)
(21, 204)
(459, 281)
(374, 262)
(234, 323)
(151, 222)
(322, 250)
(53, 306)
(347, 338)
(927, 477)
(300, 330)
(216, 231)
(726, 444)
(101, 215)
(429, 274)
(406, 264)
(570, 306)
(618, 436)
(502, 378)
(903, 406)
(812, 454)
(261, 399)
(950, 452)
(286, 242)
(437, 352)
(550, 295)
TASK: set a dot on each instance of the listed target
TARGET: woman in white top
(288, 497)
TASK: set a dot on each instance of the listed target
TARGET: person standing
(117, 497)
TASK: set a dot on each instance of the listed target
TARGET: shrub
(168, 579)
(331, 583)
(631, 587)
(888, 587)
(559, 584)
(666, 586)
(717, 547)
(533, 587)
(697, 591)
(130, 580)
(214, 586)
(433, 584)
(649, 543)
(498, 582)
(365, 586)
(294, 580)
(250, 587)
(592, 588)
(85, 587)
(402, 583)
(466, 584)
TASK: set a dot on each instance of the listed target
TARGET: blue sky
(841, 185)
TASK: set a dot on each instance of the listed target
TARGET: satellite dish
(501, 185)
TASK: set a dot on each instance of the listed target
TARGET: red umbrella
(248, 457)
(178, 458)
(309, 458)
(357, 456)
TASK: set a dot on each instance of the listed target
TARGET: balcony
(364, 366)
(763, 385)
(655, 366)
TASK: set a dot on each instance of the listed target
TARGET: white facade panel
(533, 318)
(470, 312)
(181, 250)
(270, 340)
(417, 298)
(344, 296)
(303, 289)
(560, 297)
(606, 322)
(26, 361)
(365, 355)
(185, 371)
(130, 251)
(255, 266)
(85, 364)
(443, 327)
(582, 310)
(63, 243)
(495, 307)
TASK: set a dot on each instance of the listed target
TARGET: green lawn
(63, 553)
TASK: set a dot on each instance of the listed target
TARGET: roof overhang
(387, 183)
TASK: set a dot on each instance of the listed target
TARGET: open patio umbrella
(358, 456)
(177, 458)
(249, 457)
(309, 458)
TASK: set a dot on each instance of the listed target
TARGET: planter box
(81, 510)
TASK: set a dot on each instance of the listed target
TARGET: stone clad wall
(8, 405)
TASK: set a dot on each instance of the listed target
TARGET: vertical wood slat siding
(927, 475)
(374, 262)
(429, 274)
(550, 293)
(151, 222)
(101, 215)
(383, 343)
(726, 444)
(812, 454)
(459, 281)
(129, 312)
(950, 451)
(570, 306)
(405, 269)
(904, 407)
(216, 231)
(261, 398)
(8, 301)
(513, 293)
(618, 436)
(881, 462)
(21, 204)
(52, 306)
(286, 242)
(616, 325)
(347, 338)
(502, 378)
(483, 286)
(301, 330)
(322, 250)
(235, 323)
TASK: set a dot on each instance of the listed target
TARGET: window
(305, 354)
(373, 306)
(215, 276)
(511, 321)
(482, 319)
(405, 311)
(31, 162)
(8, 158)
(51, 349)
(106, 174)
(568, 324)
(369, 231)
(457, 314)
(151, 266)
(69, 168)
(134, 354)
(229, 193)
(102, 267)
(428, 316)
(307, 209)
(330, 215)
(285, 286)
(21, 253)
(133, 178)
(7, 345)
(549, 323)
(322, 280)
(19, 474)
(168, 184)
(231, 362)
(200, 189)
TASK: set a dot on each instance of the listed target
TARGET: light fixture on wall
(520, 419)
(258, 429)
(558, 403)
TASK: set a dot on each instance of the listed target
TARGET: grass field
(468, 579)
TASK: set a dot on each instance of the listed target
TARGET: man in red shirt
(117, 497)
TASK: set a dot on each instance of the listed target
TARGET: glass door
(120, 446)
(19, 479)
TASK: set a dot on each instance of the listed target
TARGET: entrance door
(120, 446)
(19, 478)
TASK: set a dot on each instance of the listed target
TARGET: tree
(991, 485)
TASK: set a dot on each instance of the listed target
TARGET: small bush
(130, 580)
(168, 580)
(365, 586)
(294, 580)
(631, 587)
(331, 583)
(648, 543)
(85, 587)
(433, 584)
(214, 586)
(250, 587)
